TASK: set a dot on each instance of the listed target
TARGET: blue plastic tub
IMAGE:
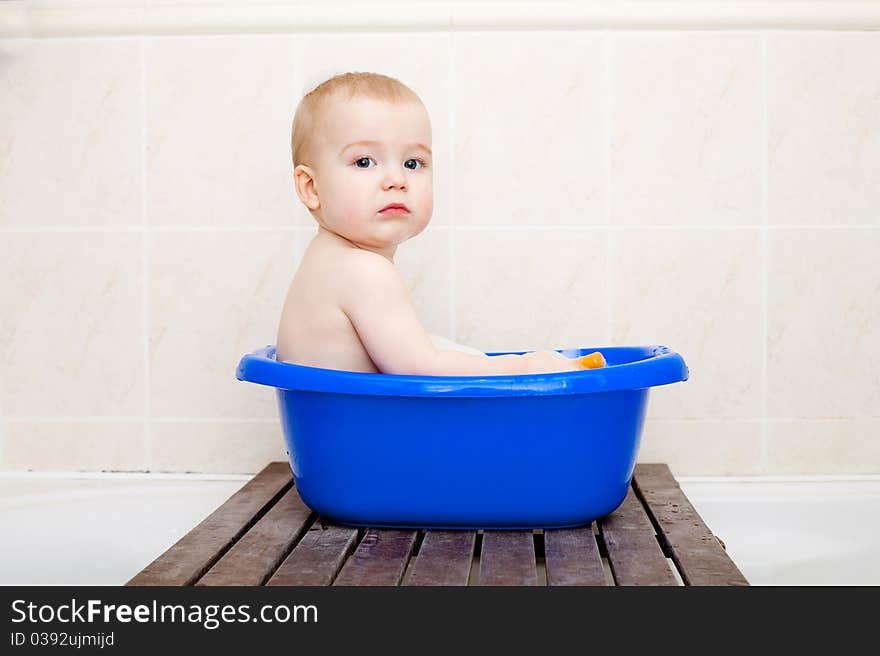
(526, 451)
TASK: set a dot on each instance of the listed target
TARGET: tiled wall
(714, 191)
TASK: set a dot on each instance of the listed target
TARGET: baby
(363, 167)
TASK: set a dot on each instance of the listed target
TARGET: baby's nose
(395, 179)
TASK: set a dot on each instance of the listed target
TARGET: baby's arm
(377, 303)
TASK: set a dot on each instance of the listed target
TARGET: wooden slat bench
(265, 535)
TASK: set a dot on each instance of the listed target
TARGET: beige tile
(835, 446)
(214, 296)
(70, 132)
(698, 292)
(219, 110)
(74, 446)
(529, 129)
(71, 324)
(419, 60)
(424, 262)
(216, 447)
(823, 323)
(823, 115)
(686, 128)
(530, 289)
(704, 448)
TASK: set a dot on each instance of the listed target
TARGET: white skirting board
(778, 530)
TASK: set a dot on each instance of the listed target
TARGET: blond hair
(370, 85)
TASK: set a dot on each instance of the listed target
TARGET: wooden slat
(508, 558)
(444, 558)
(241, 543)
(700, 558)
(634, 554)
(571, 557)
(629, 515)
(188, 558)
(252, 559)
(380, 558)
(318, 557)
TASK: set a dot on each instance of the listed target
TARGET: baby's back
(314, 330)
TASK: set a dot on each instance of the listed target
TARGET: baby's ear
(304, 180)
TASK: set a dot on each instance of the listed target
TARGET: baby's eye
(363, 162)
(416, 163)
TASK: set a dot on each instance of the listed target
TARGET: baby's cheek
(352, 224)
(344, 199)
(423, 214)
(426, 206)
(349, 211)
(417, 226)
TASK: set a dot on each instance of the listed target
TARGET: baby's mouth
(394, 209)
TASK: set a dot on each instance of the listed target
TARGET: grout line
(150, 229)
(763, 461)
(773, 420)
(36, 419)
(296, 81)
(134, 419)
(782, 478)
(458, 228)
(451, 288)
(127, 475)
(675, 227)
(453, 319)
(669, 227)
(609, 251)
(297, 84)
(194, 476)
(145, 263)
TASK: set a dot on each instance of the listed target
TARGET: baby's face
(370, 154)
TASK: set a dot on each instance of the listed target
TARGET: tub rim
(628, 368)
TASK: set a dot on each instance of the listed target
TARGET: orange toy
(594, 360)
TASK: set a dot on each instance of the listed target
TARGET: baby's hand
(548, 362)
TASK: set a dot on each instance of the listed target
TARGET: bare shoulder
(368, 262)
(367, 276)
(363, 263)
